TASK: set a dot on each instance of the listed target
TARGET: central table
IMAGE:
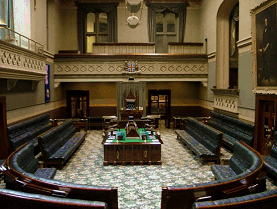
(133, 151)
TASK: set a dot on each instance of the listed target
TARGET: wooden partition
(5, 148)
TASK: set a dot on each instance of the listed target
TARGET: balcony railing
(10, 36)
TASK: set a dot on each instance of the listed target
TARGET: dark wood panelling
(97, 111)
(192, 111)
(188, 111)
(123, 44)
(5, 148)
(58, 113)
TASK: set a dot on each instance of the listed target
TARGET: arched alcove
(222, 43)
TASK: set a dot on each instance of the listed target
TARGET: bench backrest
(267, 199)
(52, 140)
(24, 160)
(206, 135)
(11, 199)
(234, 127)
(243, 159)
(22, 132)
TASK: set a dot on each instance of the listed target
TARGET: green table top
(125, 140)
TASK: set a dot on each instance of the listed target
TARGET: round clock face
(133, 20)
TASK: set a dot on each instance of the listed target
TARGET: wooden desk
(135, 151)
(137, 114)
(132, 152)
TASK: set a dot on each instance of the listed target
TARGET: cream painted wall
(125, 33)
(55, 27)
(69, 29)
(193, 32)
(134, 35)
(208, 14)
(38, 21)
(100, 94)
(245, 18)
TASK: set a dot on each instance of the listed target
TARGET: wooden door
(159, 103)
(265, 123)
(268, 123)
(77, 103)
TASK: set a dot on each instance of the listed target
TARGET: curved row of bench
(11, 199)
(250, 179)
(20, 177)
(22, 173)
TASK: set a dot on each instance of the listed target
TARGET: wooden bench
(243, 160)
(25, 162)
(203, 140)
(28, 182)
(233, 129)
(11, 199)
(28, 130)
(59, 143)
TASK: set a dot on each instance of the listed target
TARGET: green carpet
(138, 186)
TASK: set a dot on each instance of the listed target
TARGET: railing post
(19, 40)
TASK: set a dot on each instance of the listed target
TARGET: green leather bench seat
(203, 140)
(241, 161)
(242, 199)
(25, 162)
(25, 131)
(59, 143)
(233, 129)
(11, 199)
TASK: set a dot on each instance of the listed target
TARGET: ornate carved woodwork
(265, 122)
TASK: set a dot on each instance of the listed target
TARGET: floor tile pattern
(138, 186)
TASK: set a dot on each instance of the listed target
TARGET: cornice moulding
(228, 92)
(244, 42)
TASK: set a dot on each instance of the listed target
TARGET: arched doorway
(222, 43)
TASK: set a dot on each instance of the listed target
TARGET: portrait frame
(264, 47)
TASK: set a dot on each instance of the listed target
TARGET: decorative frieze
(118, 68)
(19, 63)
(226, 100)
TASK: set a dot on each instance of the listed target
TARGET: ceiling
(71, 3)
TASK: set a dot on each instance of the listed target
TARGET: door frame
(161, 92)
(258, 138)
(70, 93)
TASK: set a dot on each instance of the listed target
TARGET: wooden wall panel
(96, 111)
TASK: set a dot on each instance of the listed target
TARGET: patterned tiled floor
(138, 186)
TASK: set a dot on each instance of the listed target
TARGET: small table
(178, 121)
(81, 123)
(155, 118)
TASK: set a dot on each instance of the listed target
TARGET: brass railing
(15, 38)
